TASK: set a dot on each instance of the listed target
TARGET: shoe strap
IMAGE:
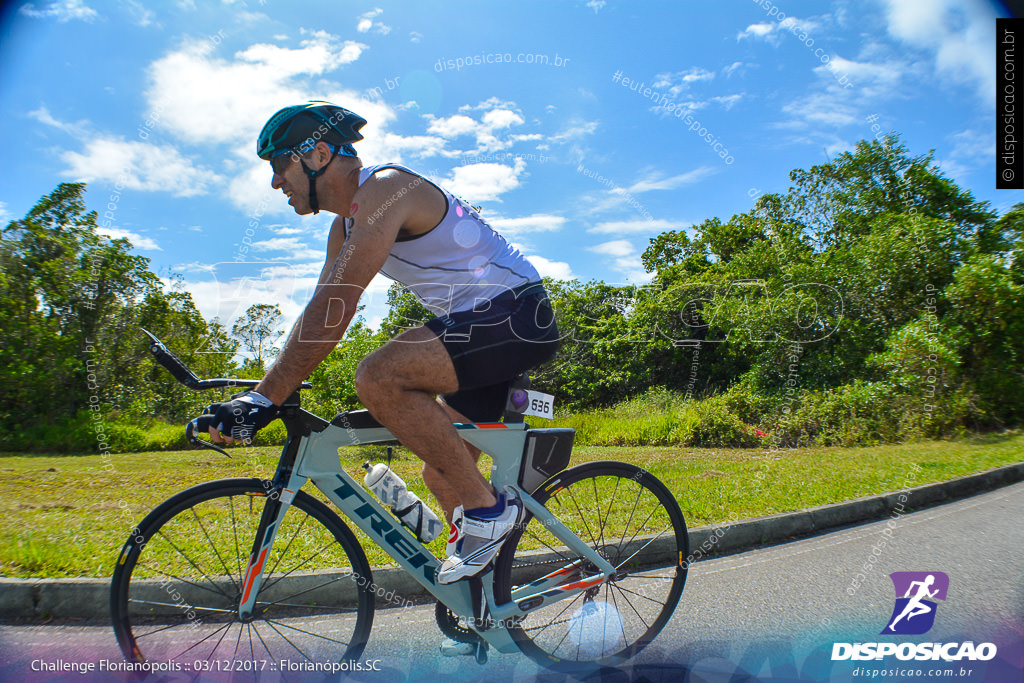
(480, 528)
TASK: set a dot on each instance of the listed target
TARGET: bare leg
(398, 384)
(435, 481)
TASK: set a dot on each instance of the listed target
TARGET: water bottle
(406, 505)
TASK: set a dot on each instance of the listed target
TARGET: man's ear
(322, 152)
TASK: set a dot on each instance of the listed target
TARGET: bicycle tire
(175, 589)
(645, 538)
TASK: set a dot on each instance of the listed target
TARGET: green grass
(64, 516)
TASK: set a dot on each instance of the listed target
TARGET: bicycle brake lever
(192, 434)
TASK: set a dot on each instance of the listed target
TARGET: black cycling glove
(243, 416)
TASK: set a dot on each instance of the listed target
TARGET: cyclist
(493, 319)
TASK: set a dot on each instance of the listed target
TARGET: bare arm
(335, 240)
(329, 313)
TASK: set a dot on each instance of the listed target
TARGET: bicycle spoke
(639, 595)
(191, 562)
(625, 527)
(213, 545)
(617, 527)
(224, 628)
(313, 556)
(285, 638)
(308, 633)
(284, 552)
(638, 616)
(545, 544)
(575, 598)
(174, 604)
(155, 631)
(653, 538)
(615, 604)
(583, 517)
(567, 631)
(289, 597)
(192, 539)
(611, 503)
(186, 581)
(238, 640)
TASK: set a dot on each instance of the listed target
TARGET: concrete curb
(90, 598)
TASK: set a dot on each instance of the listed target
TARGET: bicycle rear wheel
(634, 522)
(175, 591)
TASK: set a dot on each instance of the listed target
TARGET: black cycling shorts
(492, 344)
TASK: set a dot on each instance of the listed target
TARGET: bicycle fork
(279, 499)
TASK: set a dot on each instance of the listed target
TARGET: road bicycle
(256, 574)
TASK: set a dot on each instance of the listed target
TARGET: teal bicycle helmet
(298, 128)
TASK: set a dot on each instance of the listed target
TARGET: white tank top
(458, 262)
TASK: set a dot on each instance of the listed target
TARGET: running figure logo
(914, 612)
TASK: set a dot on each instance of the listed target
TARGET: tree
(256, 331)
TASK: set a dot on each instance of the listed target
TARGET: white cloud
(135, 238)
(143, 17)
(43, 115)
(484, 131)
(822, 109)
(415, 36)
(538, 222)
(614, 248)
(418, 145)
(596, 5)
(624, 259)
(756, 31)
(680, 81)
(139, 166)
(654, 181)
(65, 11)
(485, 182)
(492, 102)
(366, 23)
(772, 32)
(958, 34)
(728, 71)
(871, 79)
(727, 101)
(207, 99)
(5, 215)
(635, 226)
(975, 145)
(558, 270)
(453, 126)
(287, 229)
(501, 118)
(228, 298)
(574, 130)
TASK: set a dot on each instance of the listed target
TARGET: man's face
(290, 179)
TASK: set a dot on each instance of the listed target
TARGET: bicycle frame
(313, 456)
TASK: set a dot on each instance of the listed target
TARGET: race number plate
(541, 405)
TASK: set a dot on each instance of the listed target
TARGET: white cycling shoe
(479, 541)
(454, 648)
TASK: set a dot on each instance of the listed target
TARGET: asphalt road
(770, 614)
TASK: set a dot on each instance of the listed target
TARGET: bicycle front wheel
(176, 588)
(632, 520)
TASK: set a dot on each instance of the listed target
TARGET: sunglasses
(286, 157)
(282, 160)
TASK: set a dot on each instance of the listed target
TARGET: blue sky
(513, 105)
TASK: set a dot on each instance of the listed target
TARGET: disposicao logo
(916, 593)
(914, 614)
